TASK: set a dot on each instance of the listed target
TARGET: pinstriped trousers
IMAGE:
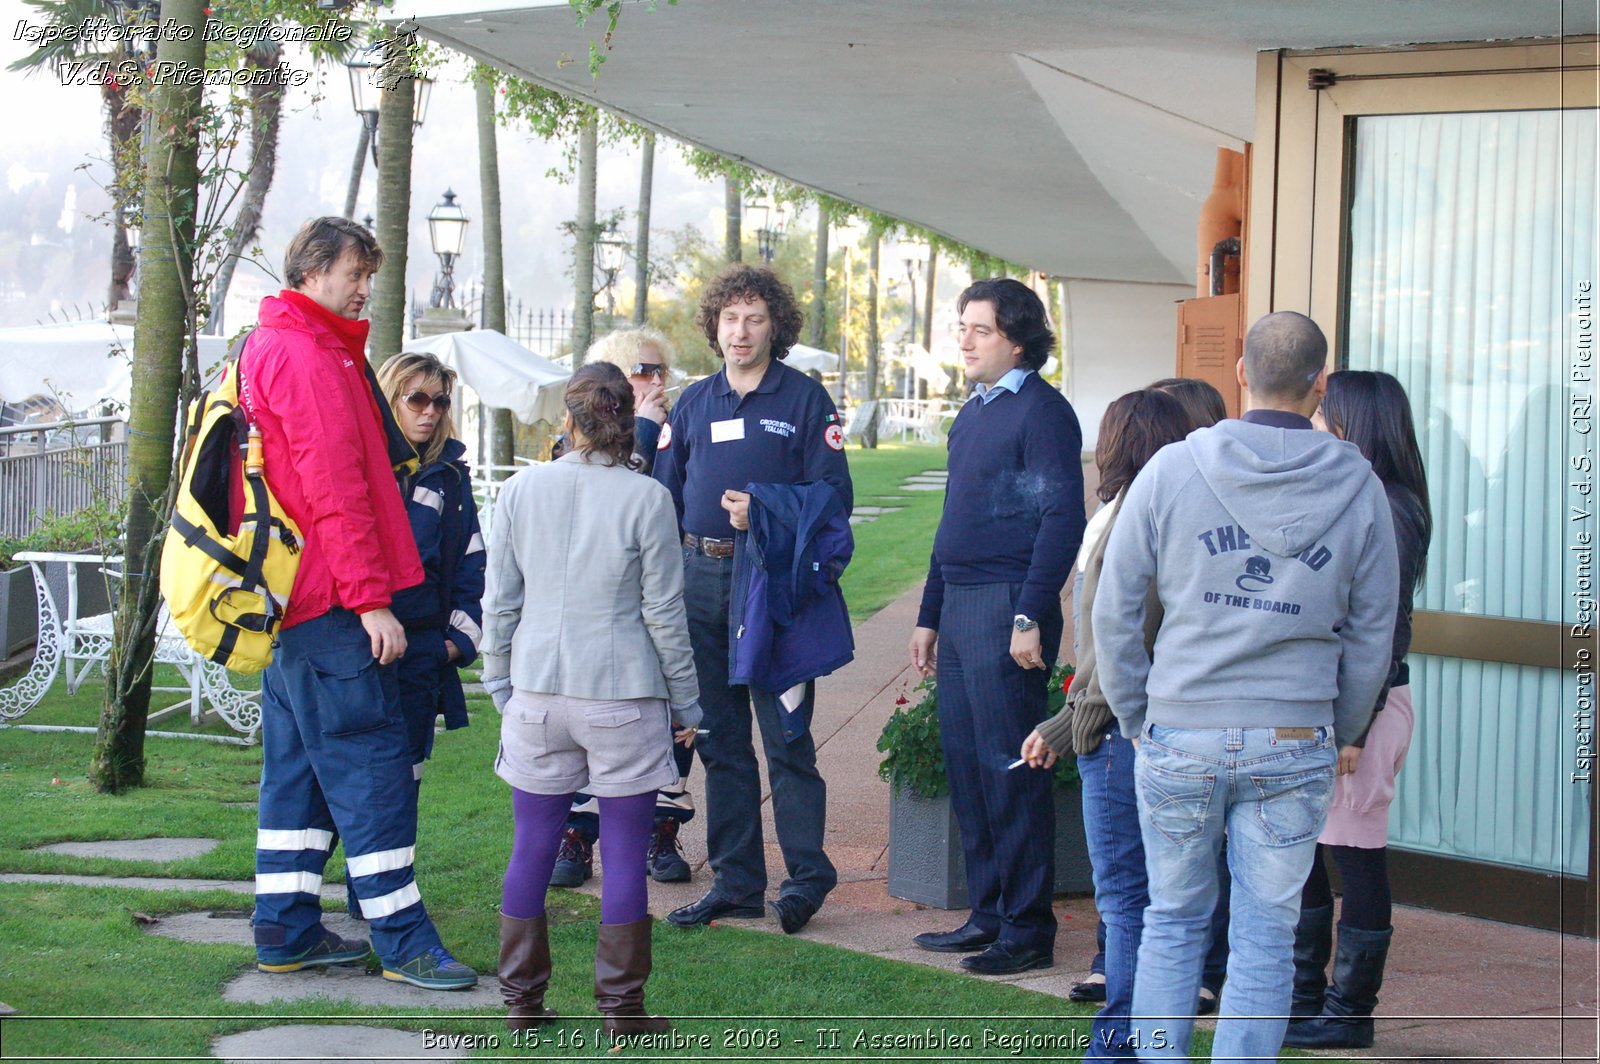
(987, 706)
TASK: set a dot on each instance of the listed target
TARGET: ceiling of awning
(1077, 137)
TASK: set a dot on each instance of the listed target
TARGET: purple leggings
(624, 839)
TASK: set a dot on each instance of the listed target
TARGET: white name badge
(723, 431)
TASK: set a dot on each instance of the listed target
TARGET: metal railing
(59, 467)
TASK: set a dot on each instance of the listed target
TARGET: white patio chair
(76, 645)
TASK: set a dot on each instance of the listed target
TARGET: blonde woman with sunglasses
(644, 355)
(442, 615)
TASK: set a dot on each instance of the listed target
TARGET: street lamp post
(914, 253)
(365, 93)
(610, 255)
(848, 233)
(447, 231)
(771, 221)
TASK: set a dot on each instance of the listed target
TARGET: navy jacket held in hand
(786, 616)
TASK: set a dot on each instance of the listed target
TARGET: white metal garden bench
(77, 645)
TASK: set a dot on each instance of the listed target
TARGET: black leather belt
(711, 548)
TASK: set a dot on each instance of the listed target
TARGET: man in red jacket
(336, 760)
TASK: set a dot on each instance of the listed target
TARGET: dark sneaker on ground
(331, 950)
(665, 857)
(435, 969)
(574, 861)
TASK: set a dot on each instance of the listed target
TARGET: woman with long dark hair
(1370, 410)
(1134, 428)
(586, 653)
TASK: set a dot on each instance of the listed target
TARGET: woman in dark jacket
(442, 615)
(1371, 411)
(1133, 429)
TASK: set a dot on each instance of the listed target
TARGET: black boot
(1313, 942)
(524, 971)
(1346, 1020)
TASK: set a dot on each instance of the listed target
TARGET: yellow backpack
(227, 593)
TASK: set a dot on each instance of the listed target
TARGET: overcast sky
(51, 129)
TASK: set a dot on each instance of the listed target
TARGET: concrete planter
(19, 611)
(19, 603)
(925, 863)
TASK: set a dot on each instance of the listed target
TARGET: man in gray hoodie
(1272, 550)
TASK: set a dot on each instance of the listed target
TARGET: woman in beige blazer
(586, 654)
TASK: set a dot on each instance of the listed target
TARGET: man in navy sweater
(1012, 523)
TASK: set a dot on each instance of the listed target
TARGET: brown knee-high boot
(621, 968)
(524, 970)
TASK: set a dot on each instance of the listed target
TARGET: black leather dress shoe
(793, 912)
(713, 906)
(1008, 958)
(964, 939)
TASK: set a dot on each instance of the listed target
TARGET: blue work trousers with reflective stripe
(335, 759)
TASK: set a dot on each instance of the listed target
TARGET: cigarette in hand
(1018, 763)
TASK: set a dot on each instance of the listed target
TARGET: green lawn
(79, 952)
(891, 552)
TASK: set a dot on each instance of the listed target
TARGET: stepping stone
(891, 498)
(924, 486)
(241, 805)
(332, 891)
(856, 519)
(309, 1041)
(355, 985)
(877, 511)
(232, 927)
(134, 849)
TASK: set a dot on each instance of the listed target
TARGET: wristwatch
(1023, 624)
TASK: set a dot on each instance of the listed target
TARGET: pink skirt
(1359, 815)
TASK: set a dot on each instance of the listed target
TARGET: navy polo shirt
(784, 431)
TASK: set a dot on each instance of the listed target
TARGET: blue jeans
(1270, 794)
(737, 854)
(1111, 827)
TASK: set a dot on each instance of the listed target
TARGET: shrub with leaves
(915, 758)
(95, 528)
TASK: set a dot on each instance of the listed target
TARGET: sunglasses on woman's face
(649, 369)
(417, 402)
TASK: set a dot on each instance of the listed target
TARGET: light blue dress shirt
(1011, 382)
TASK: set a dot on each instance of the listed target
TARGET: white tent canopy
(805, 359)
(78, 363)
(502, 372)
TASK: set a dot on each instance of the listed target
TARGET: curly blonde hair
(621, 348)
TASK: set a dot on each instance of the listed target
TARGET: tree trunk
(929, 280)
(124, 125)
(502, 428)
(733, 234)
(266, 113)
(870, 435)
(162, 332)
(641, 247)
(583, 253)
(390, 298)
(819, 285)
(357, 168)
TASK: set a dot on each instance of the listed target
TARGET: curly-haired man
(755, 421)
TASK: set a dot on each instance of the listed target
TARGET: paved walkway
(1457, 987)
